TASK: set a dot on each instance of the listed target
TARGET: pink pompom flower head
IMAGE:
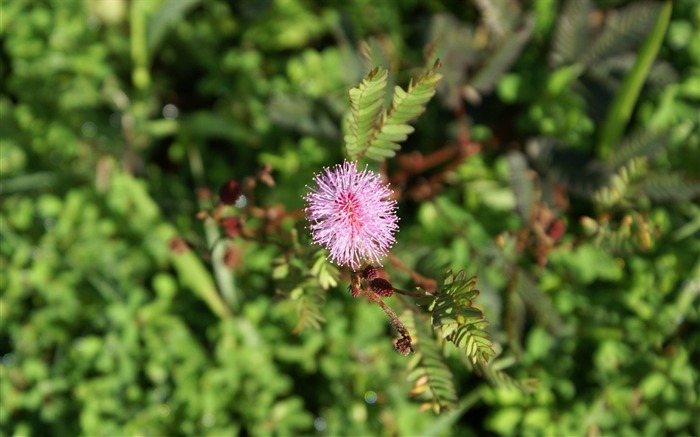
(351, 214)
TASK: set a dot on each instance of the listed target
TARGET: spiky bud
(403, 345)
(382, 287)
(370, 272)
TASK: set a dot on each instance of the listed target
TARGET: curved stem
(395, 322)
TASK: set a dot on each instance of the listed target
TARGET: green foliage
(133, 303)
(637, 145)
(475, 56)
(375, 132)
(521, 183)
(366, 106)
(431, 378)
(624, 102)
(458, 321)
(304, 279)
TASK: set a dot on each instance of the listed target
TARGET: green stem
(225, 280)
(625, 100)
(140, 73)
(139, 46)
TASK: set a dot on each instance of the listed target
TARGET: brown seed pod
(403, 345)
(382, 287)
(229, 192)
(370, 272)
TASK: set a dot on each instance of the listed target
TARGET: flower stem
(395, 322)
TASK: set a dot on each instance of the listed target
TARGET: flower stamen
(351, 214)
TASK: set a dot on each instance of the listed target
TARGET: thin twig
(405, 339)
(426, 284)
(408, 293)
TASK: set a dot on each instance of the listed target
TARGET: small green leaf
(326, 272)
(431, 378)
(297, 293)
(281, 271)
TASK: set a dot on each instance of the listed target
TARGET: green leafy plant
(376, 132)
(554, 156)
(458, 321)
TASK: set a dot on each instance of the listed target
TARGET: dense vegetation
(558, 162)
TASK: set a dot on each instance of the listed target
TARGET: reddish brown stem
(408, 293)
(426, 284)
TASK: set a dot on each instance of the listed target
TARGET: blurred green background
(539, 166)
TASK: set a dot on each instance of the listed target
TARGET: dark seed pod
(370, 272)
(229, 192)
(403, 345)
(382, 287)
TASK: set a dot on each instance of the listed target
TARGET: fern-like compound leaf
(521, 183)
(639, 144)
(375, 133)
(432, 381)
(624, 29)
(541, 306)
(502, 58)
(500, 378)
(571, 35)
(664, 187)
(322, 269)
(366, 109)
(409, 104)
(456, 318)
(580, 172)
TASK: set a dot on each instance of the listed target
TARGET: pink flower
(351, 214)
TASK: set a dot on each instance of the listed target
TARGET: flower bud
(403, 345)
(354, 291)
(370, 272)
(556, 229)
(382, 287)
(229, 192)
(232, 226)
